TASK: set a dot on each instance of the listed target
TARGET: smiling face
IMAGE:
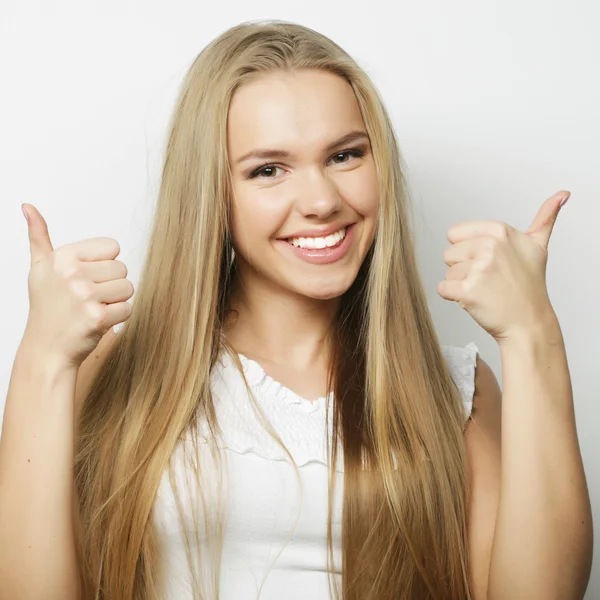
(305, 222)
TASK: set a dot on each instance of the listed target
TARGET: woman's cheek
(253, 228)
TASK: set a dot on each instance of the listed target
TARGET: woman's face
(305, 222)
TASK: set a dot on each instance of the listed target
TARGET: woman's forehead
(291, 112)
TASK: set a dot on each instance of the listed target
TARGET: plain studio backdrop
(496, 105)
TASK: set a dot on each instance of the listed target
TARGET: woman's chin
(324, 296)
(325, 289)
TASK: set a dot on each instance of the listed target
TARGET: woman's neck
(275, 325)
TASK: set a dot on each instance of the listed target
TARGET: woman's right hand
(76, 292)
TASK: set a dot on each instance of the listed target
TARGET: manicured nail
(25, 213)
(564, 201)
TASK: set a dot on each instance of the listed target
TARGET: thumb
(543, 224)
(39, 239)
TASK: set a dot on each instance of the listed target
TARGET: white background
(496, 105)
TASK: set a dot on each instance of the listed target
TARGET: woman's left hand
(498, 274)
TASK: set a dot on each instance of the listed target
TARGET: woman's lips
(321, 256)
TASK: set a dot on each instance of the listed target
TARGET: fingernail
(563, 201)
(25, 213)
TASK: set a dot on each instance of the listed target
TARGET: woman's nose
(318, 196)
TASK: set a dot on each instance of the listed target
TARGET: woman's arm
(37, 546)
(542, 535)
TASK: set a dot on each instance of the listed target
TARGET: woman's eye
(356, 152)
(265, 169)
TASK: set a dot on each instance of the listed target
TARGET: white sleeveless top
(261, 491)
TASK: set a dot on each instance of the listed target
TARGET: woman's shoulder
(476, 381)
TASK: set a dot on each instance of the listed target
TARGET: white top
(261, 491)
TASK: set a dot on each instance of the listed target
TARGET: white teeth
(319, 242)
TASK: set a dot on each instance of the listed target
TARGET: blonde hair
(397, 411)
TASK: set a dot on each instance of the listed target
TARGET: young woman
(277, 418)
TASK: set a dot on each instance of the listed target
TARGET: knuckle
(72, 270)
(123, 268)
(491, 243)
(488, 266)
(502, 231)
(490, 250)
(469, 286)
(485, 262)
(108, 247)
(69, 271)
(84, 290)
(95, 314)
(114, 246)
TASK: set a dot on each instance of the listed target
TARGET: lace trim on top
(462, 363)
(299, 422)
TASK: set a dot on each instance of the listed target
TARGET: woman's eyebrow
(264, 153)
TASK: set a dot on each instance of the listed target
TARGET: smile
(329, 241)
(319, 250)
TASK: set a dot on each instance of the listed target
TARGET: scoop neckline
(249, 363)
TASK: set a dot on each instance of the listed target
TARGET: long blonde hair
(397, 411)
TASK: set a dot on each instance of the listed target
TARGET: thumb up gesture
(498, 273)
(76, 292)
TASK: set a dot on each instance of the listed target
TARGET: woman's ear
(229, 249)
